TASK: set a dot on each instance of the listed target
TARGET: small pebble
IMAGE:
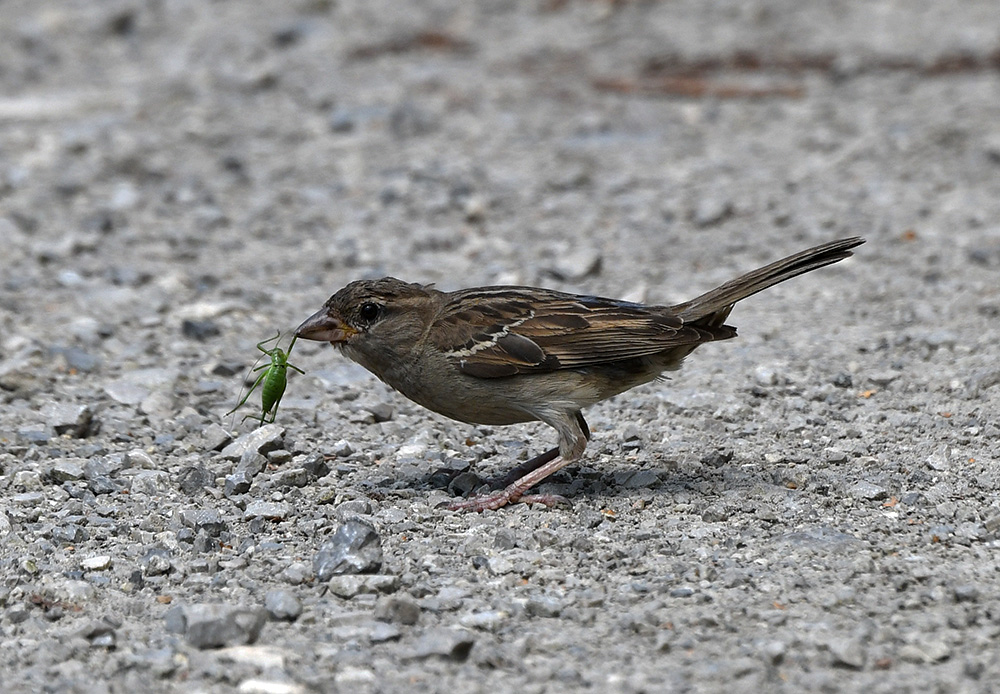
(269, 510)
(216, 625)
(400, 610)
(99, 563)
(354, 548)
(848, 653)
(282, 605)
(350, 585)
(450, 644)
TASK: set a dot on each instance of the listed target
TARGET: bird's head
(373, 319)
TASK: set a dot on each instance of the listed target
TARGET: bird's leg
(519, 471)
(539, 460)
(572, 442)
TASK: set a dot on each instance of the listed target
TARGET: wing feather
(503, 331)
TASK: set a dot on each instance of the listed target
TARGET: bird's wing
(502, 331)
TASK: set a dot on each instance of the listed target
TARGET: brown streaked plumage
(501, 355)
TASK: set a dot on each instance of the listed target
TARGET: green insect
(272, 382)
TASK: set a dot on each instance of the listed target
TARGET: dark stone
(200, 330)
(194, 478)
(215, 626)
(354, 548)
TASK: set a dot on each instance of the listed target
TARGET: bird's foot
(540, 468)
(503, 481)
(483, 502)
(510, 495)
(549, 500)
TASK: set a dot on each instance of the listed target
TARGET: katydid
(272, 382)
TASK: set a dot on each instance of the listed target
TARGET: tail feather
(713, 307)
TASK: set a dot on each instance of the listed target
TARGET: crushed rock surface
(812, 507)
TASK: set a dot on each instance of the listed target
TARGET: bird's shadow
(571, 482)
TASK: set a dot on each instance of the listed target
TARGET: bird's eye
(369, 311)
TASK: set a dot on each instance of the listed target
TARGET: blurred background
(239, 161)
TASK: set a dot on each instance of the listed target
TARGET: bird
(500, 355)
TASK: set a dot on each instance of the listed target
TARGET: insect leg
(249, 392)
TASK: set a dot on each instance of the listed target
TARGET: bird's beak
(323, 327)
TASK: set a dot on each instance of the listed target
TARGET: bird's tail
(713, 307)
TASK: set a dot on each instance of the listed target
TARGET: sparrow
(503, 354)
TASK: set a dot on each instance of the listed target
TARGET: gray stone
(354, 548)
(214, 437)
(70, 533)
(580, 262)
(711, 210)
(262, 440)
(72, 419)
(157, 565)
(67, 470)
(643, 479)
(382, 411)
(867, 491)
(136, 386)
(207, 520)
(279, 457)
(966, 593)
(765, 376)
(349, 585)
(488, 620)
(774, 652)
(450, 644)
(930, 651)
(194, 478)
(400, 610)
(138, 458)
(218, 625)
(848, 653)
(237, 483)
(296, 477)
(269, 510)
(150, 482)
(29, 498)
(499, 565)
(252, 463)
(717, 458)
(546, 606)
(99, 481)
(835, 456)
(341, 121)
(383, 632)
(342, 448)
(99, 563)
(295, 573)
(78, 360)
(714, 514)
(939, 339)
(315, 465)
(282, 605)
(27, 480)
(99, 633)
(353, 508)
(883, 378)
(821, 538)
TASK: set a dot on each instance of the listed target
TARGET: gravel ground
(810, 508)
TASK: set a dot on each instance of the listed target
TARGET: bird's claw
(495, 500)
